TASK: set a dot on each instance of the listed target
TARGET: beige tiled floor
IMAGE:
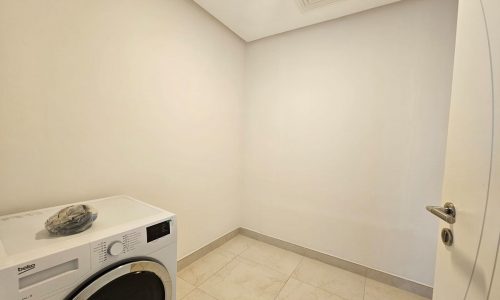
(247, 269)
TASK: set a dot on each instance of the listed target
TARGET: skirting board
(380, 276)
(190, 258)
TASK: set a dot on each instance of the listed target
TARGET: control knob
(115, 248)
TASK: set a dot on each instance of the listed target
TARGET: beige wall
(345, 132)
(131, 97)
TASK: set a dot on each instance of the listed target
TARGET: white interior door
(465, 269)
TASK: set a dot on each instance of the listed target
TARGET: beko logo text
(25, 269)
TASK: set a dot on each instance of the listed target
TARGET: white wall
(137, 97)
(345, 131)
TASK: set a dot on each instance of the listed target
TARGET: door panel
(494, 292)
(488, 254)
(464, 270)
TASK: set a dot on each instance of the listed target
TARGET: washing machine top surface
(23, 235)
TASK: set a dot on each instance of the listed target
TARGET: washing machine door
(137, 280)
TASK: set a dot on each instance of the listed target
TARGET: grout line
(209, 294)
(364, 288)
(239, 255)
(319, 287)
(233, 259)
(185, 296)
(282, 287)
(329, 292)
(199, 290)
(219, 269)
(301, 261)
(289, 277)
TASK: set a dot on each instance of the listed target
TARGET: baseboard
(190, 258)
(401, 283)
(377, 275)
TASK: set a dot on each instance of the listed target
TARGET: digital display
(157, 231)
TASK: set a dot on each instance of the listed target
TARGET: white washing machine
(128, 253)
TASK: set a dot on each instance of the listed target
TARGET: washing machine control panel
(106, 249)
(142, 240)
(116, 248)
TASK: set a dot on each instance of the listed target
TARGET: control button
(115, 248)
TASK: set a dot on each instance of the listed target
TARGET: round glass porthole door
(133, 286)
(140, 280)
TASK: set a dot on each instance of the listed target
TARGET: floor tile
(296, 290)
(276, 258)
(238, 244)
(245, 280)
(199, 271)
(378, 291)
(198, 294)
(183, 288)
(339, 282)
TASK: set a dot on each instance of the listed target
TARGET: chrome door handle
(446, 213)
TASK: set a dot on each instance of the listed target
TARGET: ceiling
(255, 19)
